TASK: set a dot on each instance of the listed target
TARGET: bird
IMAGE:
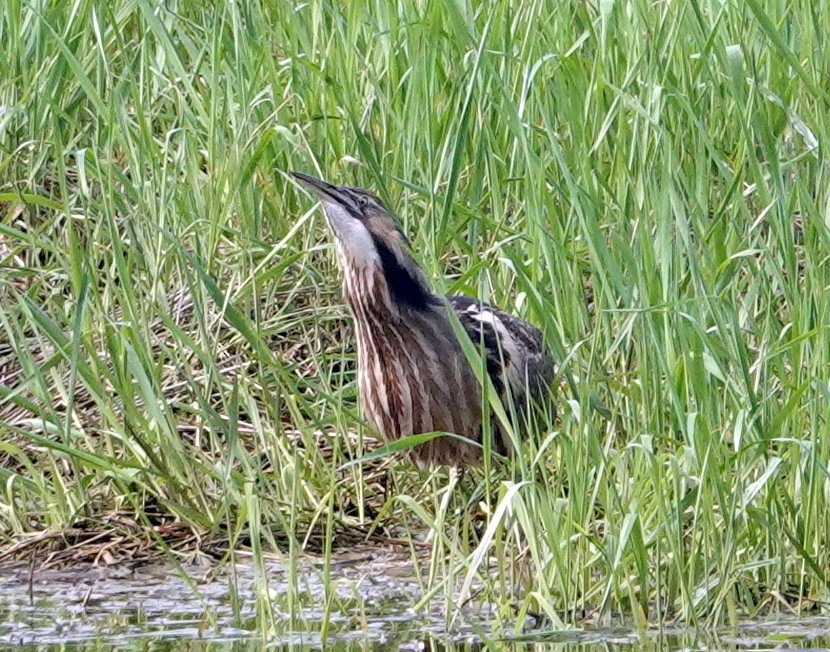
(413, 376)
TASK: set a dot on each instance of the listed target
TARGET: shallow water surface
(367, 603)
(368, 598)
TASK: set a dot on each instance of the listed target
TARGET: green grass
(646, 181)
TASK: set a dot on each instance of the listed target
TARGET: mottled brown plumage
(413, 375)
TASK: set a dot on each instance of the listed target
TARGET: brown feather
(413, 376)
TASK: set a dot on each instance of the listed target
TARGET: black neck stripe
(404, 288)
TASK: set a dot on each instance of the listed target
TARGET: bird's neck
(387, 291)
(367, 294)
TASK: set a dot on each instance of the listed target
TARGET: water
(371, 600)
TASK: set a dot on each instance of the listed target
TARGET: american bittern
(413, 376)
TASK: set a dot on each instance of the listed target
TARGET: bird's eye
(363, 201)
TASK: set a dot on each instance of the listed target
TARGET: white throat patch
(355, 240)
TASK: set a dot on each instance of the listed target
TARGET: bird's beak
(321, 188)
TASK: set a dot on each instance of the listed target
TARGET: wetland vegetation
(645, 181)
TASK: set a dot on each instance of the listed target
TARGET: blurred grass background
(646, 181)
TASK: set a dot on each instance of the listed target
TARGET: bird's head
(369, 240)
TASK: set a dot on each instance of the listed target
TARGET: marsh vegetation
(645, 181)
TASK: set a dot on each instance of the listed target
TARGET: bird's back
(519, 364)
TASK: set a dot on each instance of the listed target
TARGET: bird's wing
(515, 352)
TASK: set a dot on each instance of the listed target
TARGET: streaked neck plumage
(390, 286)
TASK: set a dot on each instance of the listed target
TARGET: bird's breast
(413, 378)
